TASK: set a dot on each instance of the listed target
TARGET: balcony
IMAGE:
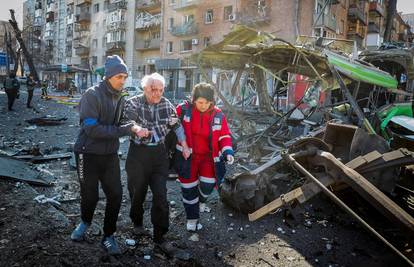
(185, 4)
(38, 6)
(38, 22)
(377, 8)
(253, 16)
(38, 13)
(117, 45)
(68, 53)
(356, 30)
(49, 35)
(37, 30)
(144, 21)
(357, 33)
(82, 2)
(324, 20)
(81, 28)
(189, 28)
(123, 4)
(150, 44)
(373, 28)
(148, 5)
(70, 19)
(82, 35)
(357, 13)
(81, 43)
(82, 51)
(69, 33)
(83, 16)
(50, 8)
(116, 26)
(50, 17)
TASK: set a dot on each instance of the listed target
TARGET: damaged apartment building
(75, 36)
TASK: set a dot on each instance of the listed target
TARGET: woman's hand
(186, 150)
(230, 159)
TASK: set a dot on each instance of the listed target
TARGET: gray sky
(405, 6)
(17, 5)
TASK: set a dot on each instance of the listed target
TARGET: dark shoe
(141, 231)
(29, 106)
(110, 245)
(79, 233)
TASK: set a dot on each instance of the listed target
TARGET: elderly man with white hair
(147, 161)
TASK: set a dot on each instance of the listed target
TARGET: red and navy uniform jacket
(219, 136)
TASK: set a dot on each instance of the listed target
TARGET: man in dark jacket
(96, 150)
(11, 86)
(30, 84)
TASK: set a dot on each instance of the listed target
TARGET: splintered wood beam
(301, 194)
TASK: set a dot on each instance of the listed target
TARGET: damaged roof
(403, 57)
(244, 47)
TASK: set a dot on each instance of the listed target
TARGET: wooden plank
(362, 160)
(368, 191)
(302, 194)
(309, 190)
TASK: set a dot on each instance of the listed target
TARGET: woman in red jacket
(209, 144)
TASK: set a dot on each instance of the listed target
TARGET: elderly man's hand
(143, 132)
(135, 129)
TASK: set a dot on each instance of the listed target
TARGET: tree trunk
(10, 52)
(26, 53)
(391, 10)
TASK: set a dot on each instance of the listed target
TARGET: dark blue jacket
(100, 129)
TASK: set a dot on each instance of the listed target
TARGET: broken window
(188, 18)
(169, 47)
(209, 16)
(96, 8)
(228, 13)
(170, 23)
(207, 41)
(186, 45)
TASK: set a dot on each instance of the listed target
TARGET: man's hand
(143, 132)
(230, 159)
(135, 129)
(173, 121)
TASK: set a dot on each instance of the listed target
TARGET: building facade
(160, 35)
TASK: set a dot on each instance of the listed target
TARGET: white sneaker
(204, 207)
(193, 225)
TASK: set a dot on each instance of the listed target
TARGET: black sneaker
(110, 245)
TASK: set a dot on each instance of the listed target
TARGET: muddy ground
(33, 234)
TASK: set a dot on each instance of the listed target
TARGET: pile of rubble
(301, 131)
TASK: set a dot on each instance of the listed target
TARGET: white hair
(152, 77)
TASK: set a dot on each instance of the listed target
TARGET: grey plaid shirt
(155, 118)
